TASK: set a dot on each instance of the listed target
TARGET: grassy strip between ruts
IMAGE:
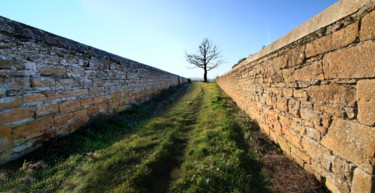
(111, 155)
(217, 159)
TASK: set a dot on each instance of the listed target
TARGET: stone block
(282, 104)
(333, 94)
(296, 56)
(94, 91)
(81, 114)
(294, 107)
(368, 27)
(313, 148)
(31, 128)
(66, 82)
(16, 114)
(343, 169)
(352, 141)
(69, 105)
(10, 64)
(310, 72)
(42, 82)
(16, 83)
(63, 119)
(336, 111)
(6, 140)
(292, 136)
(30, 98)
(300, 94)
(92, 110)
(333, 41)
(363, 182)
(53, 70)
(366, 101)
(311, 116)
(10, 102)
(351, 62)
(80, 92)
(46, 109)
(58, 94)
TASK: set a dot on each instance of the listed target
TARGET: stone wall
(313, 93)
(50, 86)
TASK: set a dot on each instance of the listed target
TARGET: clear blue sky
(159, 32)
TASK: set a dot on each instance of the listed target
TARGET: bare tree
(209, 57)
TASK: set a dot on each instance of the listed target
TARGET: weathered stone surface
(10, 102)
(311, 116)
(333, 94)
(294, 107)
(42, 82)
(282, 104)
(16, 83)
(63, 119)
(46, 109)
(5, 138)
(29, 98)
(69, 105)
(339, 112)
(296, 56)
(311, 72)
(352, 141)
(333, 41)
(367, 27)
(362, 182)
(366, 101)
(53, 70)
(34, 127)
(352, 62)
(16, 114)
(300, 94)
(80, 114)
(59, 94)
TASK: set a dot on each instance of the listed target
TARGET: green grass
(217, 159)
(135, 151)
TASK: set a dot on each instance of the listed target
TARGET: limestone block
(366, 101)
(29, 98)
(363, 182)
(333, 94)
(63, 119)
(282, 104)
(300, 94)
(352, 141)
(311, 116)
(34, 127)
(368, 27)
(333, 41)
(58, 94)
(46, 109)
(16, 114)
(10, 102)
(5, 138)
(69, 105)
(352, 62)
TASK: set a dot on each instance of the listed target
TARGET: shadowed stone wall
(50, 86)
(313, 93)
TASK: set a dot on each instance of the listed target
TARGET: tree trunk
(205, 75)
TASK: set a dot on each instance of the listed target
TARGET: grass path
(186, 140)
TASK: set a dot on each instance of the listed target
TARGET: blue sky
(159, 32)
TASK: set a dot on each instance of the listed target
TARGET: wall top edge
(330, 15)
(18, 29)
